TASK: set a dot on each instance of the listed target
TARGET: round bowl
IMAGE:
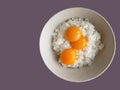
(102, 60)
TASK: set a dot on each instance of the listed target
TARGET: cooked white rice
(85, 56)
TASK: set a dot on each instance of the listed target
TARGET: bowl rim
(114, 37)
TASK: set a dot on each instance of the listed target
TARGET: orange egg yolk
(79, 44)
(68, 56)
(73, 33)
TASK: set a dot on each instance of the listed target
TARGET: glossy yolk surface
(68, 56)
(79, 44)
(73, 33)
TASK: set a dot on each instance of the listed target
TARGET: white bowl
(103, 58)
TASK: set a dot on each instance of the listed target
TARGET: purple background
(21, 66)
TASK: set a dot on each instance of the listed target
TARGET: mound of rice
(85, 57)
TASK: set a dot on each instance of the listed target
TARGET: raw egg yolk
(73, 33)
(68, 56)
(79, 44)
